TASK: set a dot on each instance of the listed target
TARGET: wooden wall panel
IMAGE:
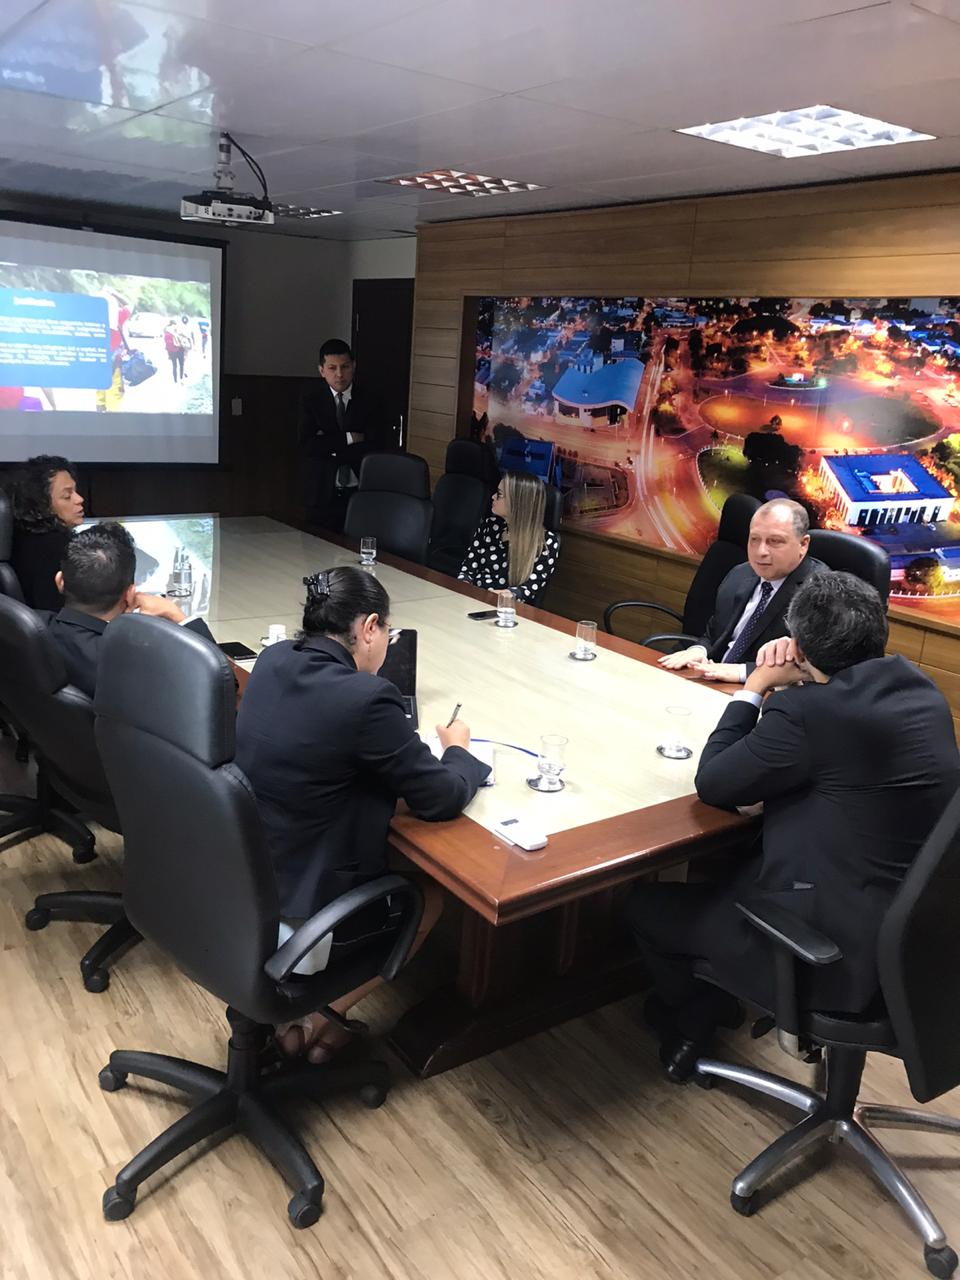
(898, 235)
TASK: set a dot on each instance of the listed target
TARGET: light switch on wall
(236, 406)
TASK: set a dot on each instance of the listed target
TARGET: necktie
(752, 628)
(345, 477)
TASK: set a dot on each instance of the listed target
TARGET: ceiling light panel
(808, 131)
(457, 183)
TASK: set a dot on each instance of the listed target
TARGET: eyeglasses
(394, 634)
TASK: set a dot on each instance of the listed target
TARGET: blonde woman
(511, 548)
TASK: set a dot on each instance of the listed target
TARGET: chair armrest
(785, 929)
(283, 962)
(792, 940)
(611, 609)
(651, 642)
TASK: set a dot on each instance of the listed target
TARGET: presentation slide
(109, 346)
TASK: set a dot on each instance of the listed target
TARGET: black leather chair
(59, 720)
(918, 1021)
(9, 582)
(729, 550)
(393, 505)
(199, 883)
(461, 501)
(473, 458)
(852, 554)
(553, 509)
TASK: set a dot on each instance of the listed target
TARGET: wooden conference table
(539, 939)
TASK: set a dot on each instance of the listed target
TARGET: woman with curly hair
(47, 507)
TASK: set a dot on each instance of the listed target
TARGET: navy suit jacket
(732, 596)
(79, 637)
(328, 751)
(852, 774)
(323, 443)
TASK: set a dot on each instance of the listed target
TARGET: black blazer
(732, 596)
(323, 444)
(852, 774)
(36, 559)
(79, 637)
(328, 752)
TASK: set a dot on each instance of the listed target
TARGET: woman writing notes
(328, 750)
(511, 548)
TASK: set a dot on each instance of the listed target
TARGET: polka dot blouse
(487, 562)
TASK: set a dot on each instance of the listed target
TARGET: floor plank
(566, 1156)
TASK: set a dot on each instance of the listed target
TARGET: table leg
(517, 979)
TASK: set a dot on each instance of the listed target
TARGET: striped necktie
(752, 627)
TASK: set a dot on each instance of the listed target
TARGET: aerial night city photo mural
(653, 410)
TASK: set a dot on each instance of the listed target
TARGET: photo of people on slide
(85, 341)
(649, 412)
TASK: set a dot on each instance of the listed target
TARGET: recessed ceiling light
(303, 211)
(808, 131)
(457, 183)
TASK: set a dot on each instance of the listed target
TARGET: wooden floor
(566, 1157)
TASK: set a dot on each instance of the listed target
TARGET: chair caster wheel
(940, 1262)
(116, 1207)
(303, 1212)
(96, 980)
(84, 853)
(745, 1205)
(110, 1081)
(373, 1095)
(703, 1080)
(37, 918)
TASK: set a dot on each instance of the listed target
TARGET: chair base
(92, 908)
(240, 1100)
(837, 1117)
(27, 816)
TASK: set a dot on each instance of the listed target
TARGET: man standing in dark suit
(339, 424)
(97, 583)
(753, 598)
(853, 764)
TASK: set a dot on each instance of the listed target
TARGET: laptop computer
(400, 668)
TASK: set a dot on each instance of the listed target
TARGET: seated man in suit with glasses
(753, 598)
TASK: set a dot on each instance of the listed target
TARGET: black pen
(456, 712)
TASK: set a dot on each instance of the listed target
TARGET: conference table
(539, 933)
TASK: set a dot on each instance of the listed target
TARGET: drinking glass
(506, 609)
(368, 551)
(586, 649)
(673, 746)
(551, 763)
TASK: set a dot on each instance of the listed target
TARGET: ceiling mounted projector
(232, 208)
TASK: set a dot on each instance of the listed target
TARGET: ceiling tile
(38, 122)
(318, 22)
(322, 95)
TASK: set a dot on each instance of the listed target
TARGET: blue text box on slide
(54, 340)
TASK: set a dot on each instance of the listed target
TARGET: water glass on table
(506, 609)
(368, 551)
(551, 762)
(586, 649)
(674, 746)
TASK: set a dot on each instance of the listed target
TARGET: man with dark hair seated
(853, 765)
(97, 581)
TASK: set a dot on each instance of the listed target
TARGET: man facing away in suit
(753, 598)
(97, 582)
(339, 423)
(853, 762)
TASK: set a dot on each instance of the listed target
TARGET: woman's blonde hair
(525, 498)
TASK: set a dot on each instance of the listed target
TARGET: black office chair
(460, 503)
(729, 550)
(393, 505)
(473, 458)
(553, 509)
(9, 582)
(59, 720)
(200, 884)
(918, 1022)
(859, 556)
